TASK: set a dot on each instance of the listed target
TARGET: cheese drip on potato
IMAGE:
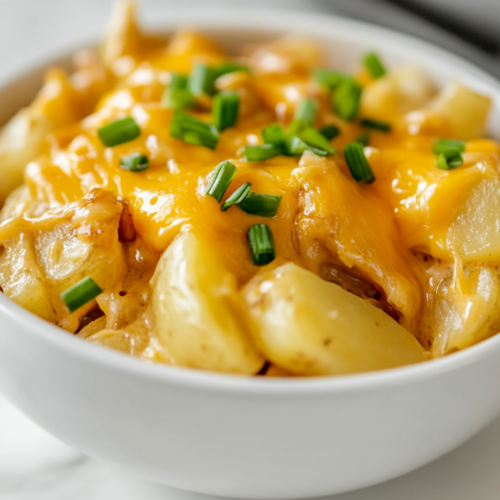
(252, 210)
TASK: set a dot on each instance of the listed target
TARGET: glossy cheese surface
(379, 241)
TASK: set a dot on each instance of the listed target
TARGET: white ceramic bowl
(250, 437)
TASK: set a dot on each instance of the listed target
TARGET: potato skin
(198, 314)
(311, 327)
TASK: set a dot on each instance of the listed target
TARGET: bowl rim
(239, 384)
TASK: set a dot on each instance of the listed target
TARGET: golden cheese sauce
(389, 242)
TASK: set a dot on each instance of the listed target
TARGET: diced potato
(118, 340)
(122, 37)
(464, 311)
(87, 245)
(22, 279)
(198, 314)
(22, 138)
(342, 223)
(466, 110)
(124, 304)
(58, 100)
(400, 91)
(124, 42)
(475, 233)
(17, 204)
(93, 328)
(311, 327)
(20, 142)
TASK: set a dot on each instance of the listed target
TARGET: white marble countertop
(36, 466)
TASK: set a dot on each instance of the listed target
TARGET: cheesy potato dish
(254, 213)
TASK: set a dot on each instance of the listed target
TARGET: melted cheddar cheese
(393, 242)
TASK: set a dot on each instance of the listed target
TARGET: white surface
(35, 466)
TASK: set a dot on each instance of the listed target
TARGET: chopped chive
(225, 109)
(201, 80)
(229, 67)
(330, 131)
(306, 110)
(135, 163)
(346, 99)
(329, 78)
(374, 65)
(81, 293)
(237, 197)
(265, 205)
(274, 134)
(262, 152)
(442, 145)
(119, 131)
(364, 138)
(295, 146)
(358, 165)
(449, 159)
(261, 242)
(376, 125)
(317, 140)
(297, 126)
(177, 95)
(223, 175)
(193, 131)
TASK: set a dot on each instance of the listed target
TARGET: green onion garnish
(265, 205)
(177, 95)
(358, 165)
(193, 131)
(262, 152)
(346, 99)
(449, 159)
(329, 78)
(230, 67)
(81, 293)
(274, 134)
(223, 175)
(297, 126)
(364, 138)
(201, 80)
(225, 109)
(118, 132)
(237, 197)
(374, 65)
(135, 163)
(330, 131)
(376, 125)
(295, 146)
(306, 110)
(317, 140)
(443, 145)
(261, 242)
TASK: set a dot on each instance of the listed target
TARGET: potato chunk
(22, 279)
(463, 311)
(20, 142)
(341, 222)
(475, 233)
(405, 89)
(198, 314)
(466, 110)
(311, 327)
